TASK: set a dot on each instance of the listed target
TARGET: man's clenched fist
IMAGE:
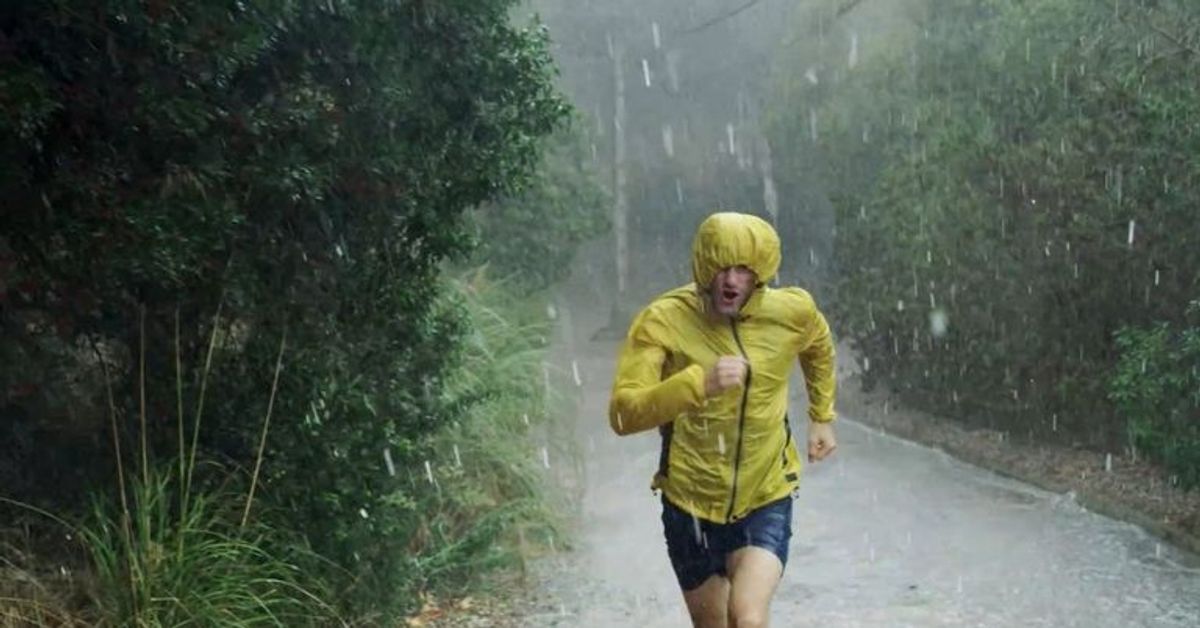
(728, 372)
(821, 441)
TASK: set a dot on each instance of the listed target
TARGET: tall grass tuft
(166, 553)
(496, 500)
(198, 567)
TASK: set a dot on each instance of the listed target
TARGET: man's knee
(747, 618)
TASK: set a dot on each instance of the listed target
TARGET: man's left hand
(821, 441)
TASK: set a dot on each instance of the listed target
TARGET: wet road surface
(885, 533)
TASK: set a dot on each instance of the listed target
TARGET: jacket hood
(728, 239)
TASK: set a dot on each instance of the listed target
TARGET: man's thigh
(754, 574)
(708, 604)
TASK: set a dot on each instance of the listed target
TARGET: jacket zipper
(737, 456)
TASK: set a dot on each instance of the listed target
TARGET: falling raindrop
(938, 322)
(545, 458)
(429, 472)
(812, 123)
(668, 140)
(575, 373)
(721, 444)
(646, 72)
(1120, 187)
(679, 190)
(362, 512)
(1156, 276)
(811, 75)
(525, 418)
(387, 459)
(457, 457)
(1108, 463)
(657, 38)
(1132, 228)
(900, 305)
(551, 312)
(729, 137)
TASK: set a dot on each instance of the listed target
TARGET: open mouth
(729, 295)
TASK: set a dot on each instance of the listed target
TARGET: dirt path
(887, 533)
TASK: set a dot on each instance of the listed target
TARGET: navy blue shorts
(699, 548)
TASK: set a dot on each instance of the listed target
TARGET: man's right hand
(728, 372)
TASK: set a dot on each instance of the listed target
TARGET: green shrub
(1156, 387)
(302, 168)
(530, 238)
(1023, 172)
(463, 492)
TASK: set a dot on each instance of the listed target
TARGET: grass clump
(198, 567)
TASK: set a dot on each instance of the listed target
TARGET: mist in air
(995, 205)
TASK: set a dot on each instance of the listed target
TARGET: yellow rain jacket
(724, 456)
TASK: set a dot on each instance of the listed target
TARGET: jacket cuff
(818, 418)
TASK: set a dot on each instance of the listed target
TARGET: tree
(298, 166)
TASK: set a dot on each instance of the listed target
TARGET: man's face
(730, 289)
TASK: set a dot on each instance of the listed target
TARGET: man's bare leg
(708, 603)
(754, 573)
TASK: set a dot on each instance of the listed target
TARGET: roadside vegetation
(1016, 193)
(257, 368)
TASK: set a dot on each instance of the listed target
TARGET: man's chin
(726, 309)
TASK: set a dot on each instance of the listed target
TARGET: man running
(708, 365)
